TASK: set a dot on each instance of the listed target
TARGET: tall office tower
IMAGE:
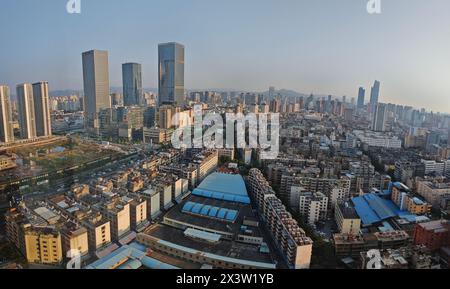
(328, 104)
(380, 117)
(132, 84)
(361, 97)
(6, 129)
(42, 109)
(433, 138)
(301, 103)
(271, 92)
(374, 95)
(25, 103)
(171, 73)
(96, 87)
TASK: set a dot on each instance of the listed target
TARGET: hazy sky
(320, 46)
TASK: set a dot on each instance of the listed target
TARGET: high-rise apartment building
(132, 84)
(171, 73)
(374, 95)
(6, 129)
(27, 118)
(379, 117)
(42, 109)
(96, 87)
(313, 206)
(361, 97)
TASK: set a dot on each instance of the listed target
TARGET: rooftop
(436, 226)
(373, 209)
(181, 214)
(348, 211)
(224, 183)
(223, 249)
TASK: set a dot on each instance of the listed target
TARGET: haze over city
(324, 47)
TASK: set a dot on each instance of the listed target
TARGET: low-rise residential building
(349, 245)
(74, 240)
(432, 190)
(403, 198)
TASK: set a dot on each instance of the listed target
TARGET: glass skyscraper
(374, 95)
(171, 73)
(96, 87)
(132, 84)
(361, 97)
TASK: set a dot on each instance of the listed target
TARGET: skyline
(409, 58)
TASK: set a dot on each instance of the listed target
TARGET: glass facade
(132, 84)
(171, 73)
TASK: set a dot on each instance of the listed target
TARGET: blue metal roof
(225, 187)
(222, 213)
(205, 210)
(131, 265)
(224, 183)
(155, 264)
(381, 209)
(196, 209)
(209, 211)
(213, 212)
(221, 196)
(118, 256)
(372, 209)
(188, 207)
(231, 216)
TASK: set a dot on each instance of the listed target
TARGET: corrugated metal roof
(118, 256)
(219, 257)
(210, 237)
(372, 209)
(225, 187)
(209, 211)
(224, 183)
(131, 265)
